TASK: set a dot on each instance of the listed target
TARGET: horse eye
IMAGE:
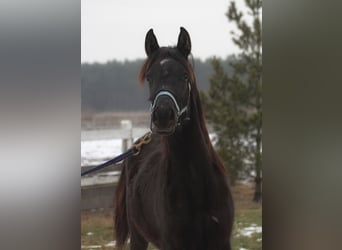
(148, 79)
(186, 77)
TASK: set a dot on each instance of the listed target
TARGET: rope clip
(140, 142)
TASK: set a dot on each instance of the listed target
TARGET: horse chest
(185, 189)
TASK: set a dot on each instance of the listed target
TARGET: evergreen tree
(234, 102)
(226, 115)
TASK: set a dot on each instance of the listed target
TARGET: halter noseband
(180, 112)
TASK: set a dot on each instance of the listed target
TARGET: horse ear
(151, 43)
(184, 42)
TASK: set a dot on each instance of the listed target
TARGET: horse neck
(189, 163)
(190, 141)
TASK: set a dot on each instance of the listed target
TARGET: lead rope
(134, 150)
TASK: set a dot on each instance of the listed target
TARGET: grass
(243, 219)
(97, 228)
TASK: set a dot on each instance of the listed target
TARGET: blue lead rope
(135, 150)
(117, 159)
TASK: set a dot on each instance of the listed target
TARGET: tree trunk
(258, 160)
(258, 190)
(258, 179)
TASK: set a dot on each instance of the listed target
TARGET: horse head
(168, 75)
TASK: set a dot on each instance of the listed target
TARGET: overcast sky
(116, 29)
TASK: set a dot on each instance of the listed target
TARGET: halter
(180, 112)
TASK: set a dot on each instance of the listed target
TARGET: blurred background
(40, 110)
(227, 54)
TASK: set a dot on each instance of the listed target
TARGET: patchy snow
(248, 231)
(98, 146)
(110, 244)
(94, 152)
(91, 247)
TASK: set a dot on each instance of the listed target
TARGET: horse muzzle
(164, 116)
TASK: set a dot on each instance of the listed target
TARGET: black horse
(174, 194)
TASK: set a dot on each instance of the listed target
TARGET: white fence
(102, 145)
(97, 191)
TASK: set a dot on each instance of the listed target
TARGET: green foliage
(227, 116)
(234, 101)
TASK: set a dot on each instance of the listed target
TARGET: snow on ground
(248, 231)
(109, 244)
(91, 247)
(95, 152)
(98, 146)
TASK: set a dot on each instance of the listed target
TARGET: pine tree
(224, 112)
(234, 103)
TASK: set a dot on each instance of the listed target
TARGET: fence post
(127, 139)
